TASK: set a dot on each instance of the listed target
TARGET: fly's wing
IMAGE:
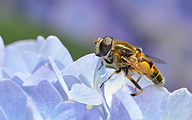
(155, 59)
(134, 65)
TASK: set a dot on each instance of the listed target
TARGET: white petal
(130, 104)
(152, 102)
(86, 95)
(179, 106)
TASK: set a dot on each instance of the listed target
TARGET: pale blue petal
(14, 55)
(40, 41)
(2, 53)
(2, 114)
(14, 60)
(118, 110)
(31, 59)
(58, 74)
(23, 45)
(179, 106)
(54, 48)
(60, 89)
(44, 72)
(12, 100)
(8, 74)
(98, 74)
(46, 98)
(64, 112)
(32, 112)
(70, 80)
(69, 111)
(104, 100)
(83, 79)
(86, 95)
(85, 66)
(18, 78)
(2, 56)
(130, 104)
(92, 115)
(101, 110)
(152, 102)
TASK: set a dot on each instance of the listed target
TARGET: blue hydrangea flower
(40, 81)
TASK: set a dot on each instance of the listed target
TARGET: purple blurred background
(162, 28)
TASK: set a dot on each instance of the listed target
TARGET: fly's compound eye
(105, 45)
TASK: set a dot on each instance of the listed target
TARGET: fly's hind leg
(136, 85)
(137, 82)
(115, 72)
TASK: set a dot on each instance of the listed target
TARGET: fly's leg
(136, 85)
(101, 64)
(137, 82)
(108, 62)
(132, 80)
(115, 72)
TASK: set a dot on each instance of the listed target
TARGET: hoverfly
(129, 59)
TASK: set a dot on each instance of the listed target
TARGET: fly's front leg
(108, 62)
(101, 64)
(115, 72)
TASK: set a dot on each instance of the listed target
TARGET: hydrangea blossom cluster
(40, 81)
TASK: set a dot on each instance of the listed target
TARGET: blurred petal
(23, 45)
(130, 104)
(46, 98)
(14, 55)
(58, 74)
(32, 112)
(14, 60)
(2, 56)
(152, 102)
(2, 114)
(69, 111)
(44, 72)
(86, 95)
(92, 115)
(7, 73)
(179, 106)
(118, 110)
(54, 48)
(31, 59)
(85, 66)
(2, 53)
(12, 100)
(40, 41)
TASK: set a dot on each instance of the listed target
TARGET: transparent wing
(155, 59)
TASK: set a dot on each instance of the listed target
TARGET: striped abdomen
(151, 72)
(155, 76)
